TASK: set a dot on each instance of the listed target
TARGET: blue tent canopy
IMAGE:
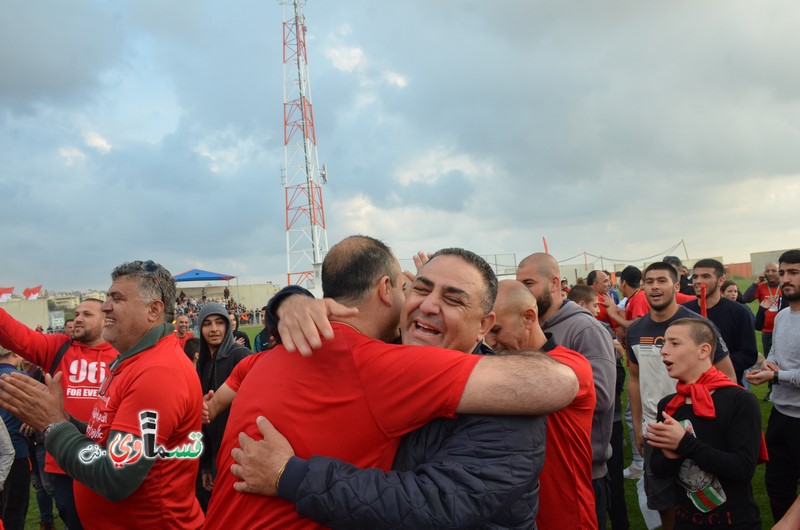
(197, 275)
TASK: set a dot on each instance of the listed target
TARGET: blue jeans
(41, 484)
(65, 500)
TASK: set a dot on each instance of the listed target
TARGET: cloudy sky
(153, 130)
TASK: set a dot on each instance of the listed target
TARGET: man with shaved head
(566, 479)
(576, 328)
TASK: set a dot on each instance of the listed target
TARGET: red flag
(5, 293)
(703, 301)
(32, 293)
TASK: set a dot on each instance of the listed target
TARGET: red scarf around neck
(700, 392)
(702, 403)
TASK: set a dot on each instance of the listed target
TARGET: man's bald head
(516, 320)
(539, 273)
(512, 294)
(544, 264)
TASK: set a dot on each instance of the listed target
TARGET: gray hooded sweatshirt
(213, 371)
(576, 328)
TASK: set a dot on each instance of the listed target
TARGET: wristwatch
(775, 380)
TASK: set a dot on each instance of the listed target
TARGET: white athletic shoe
(633, 472)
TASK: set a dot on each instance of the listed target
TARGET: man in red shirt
(403, 386)
(768, 293)
(136, 464)
(85, 357)
(182, 332)
(601, 283)
(566, 479)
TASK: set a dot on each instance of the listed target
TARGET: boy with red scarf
(709, 434)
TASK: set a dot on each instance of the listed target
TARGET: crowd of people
(437, 399)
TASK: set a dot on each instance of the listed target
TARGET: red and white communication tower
(306, 237)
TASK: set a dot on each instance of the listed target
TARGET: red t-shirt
(83, 367)
(765, 292)
(637, 306)
(683, 298)
(566, 495)
(352, 399)
(160, 379)
(602, 314)
(182, 341)
(234, 381)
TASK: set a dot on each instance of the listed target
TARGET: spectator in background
(239, 337)
(16, 491)
(69, 325)
(683, 275)
(768, 293)
(192, 349)
(731, 291)
(182, 332)
(264, 339)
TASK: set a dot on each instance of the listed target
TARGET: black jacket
(213, 371)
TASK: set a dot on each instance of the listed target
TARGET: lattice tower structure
(306, 234)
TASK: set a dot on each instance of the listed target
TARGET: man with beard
(182, 332)
(733, 320)
(576, 328)
(782, 368)
(649, 381)
(442, 477)
(768, 293)
(83, 358)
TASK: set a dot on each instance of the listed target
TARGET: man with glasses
(137, 461)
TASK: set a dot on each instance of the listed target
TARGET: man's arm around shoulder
(529, 383)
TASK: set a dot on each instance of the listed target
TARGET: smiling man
(649, 381)
(182, 332)
(149, 398)
(83, 357)
(446, 473)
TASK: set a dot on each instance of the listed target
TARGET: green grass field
(637, 523)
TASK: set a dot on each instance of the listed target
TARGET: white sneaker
(633, 472)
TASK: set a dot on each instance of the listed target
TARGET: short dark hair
(790, 256)
(191, 347)
(591, 277)
(582, 293)
(353, 265)
(154, 281)
(726, 284)
(672, 260)
(710, 263)
(485, 270)
(662, 266)
(700, 331)
(632, 276)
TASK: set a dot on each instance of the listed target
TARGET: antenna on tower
(306, 235)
